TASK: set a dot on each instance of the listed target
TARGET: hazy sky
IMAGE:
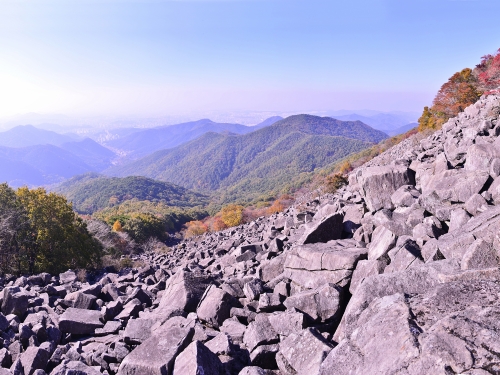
(158, 57)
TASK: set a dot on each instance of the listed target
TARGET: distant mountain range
(92, 192)
(390, 123)
(269, 156)
(144, 142)
(28, 135)
(34, 157)
(233, 159)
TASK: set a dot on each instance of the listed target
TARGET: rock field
(397, 273)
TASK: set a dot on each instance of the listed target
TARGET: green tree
(13, 228)
(56, 239)
(142, 227)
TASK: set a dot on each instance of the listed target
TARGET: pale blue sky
(164, 57)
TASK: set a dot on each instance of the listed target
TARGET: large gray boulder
(80, 321)
(379, 183)
(215, 306)
(15, 301)
(156, 355)
(323, 303)
(183, 291)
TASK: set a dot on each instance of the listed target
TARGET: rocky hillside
(397, 273)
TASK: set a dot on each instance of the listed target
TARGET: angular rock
(15, 301)
(183, 291)
(137, 331)
(80, 321)
(364, 269)
(379, 183)
(197, 359)
(323, 303)
(456, 185)
(287, 322)
(303, 352)
(382, 241)
(253, 289)
(215, 306)
(156, 355)
(479, 255)
(259, 332)
(79, 300)
(33, 359)
(329, 228)
(74, 367)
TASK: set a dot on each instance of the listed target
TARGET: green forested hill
(247, 165)
(92, 192)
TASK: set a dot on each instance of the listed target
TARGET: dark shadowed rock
(329, 228)
(197, 359)
(183, 291)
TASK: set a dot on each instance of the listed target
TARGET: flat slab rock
(80, 321)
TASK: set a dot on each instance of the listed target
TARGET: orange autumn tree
(195, 228)
(461, 90)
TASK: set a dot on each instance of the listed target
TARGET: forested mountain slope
(267, 157)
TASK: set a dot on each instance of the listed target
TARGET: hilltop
(93, 192)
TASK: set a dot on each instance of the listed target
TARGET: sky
(154, 57)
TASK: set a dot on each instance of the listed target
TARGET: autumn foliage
(461, 90)
(488, 72)
(232, 215)
(195, 228)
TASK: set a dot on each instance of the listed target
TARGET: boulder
(80, 321)
(156, 355)
(327, 229)
(197, 359)
(382, 241)
(215, 306)
(137, 330)
(379, 183)
(323, 303)
(456, 185)
(33, 359)
(259, 332)
(302, 352)
(15, 301)
(184, 291)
